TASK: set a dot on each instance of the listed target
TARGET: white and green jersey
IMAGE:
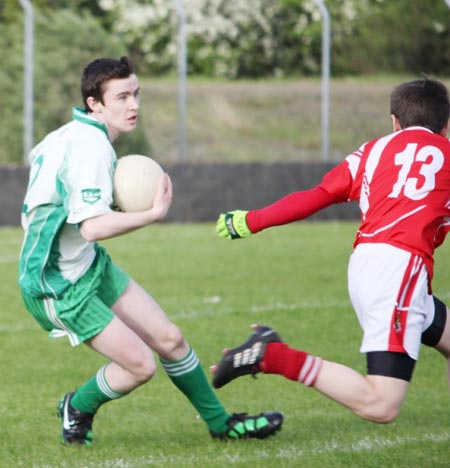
(71, 179)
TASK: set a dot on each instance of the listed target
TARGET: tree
(405, 36)
(63, 44)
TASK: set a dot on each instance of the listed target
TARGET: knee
(172, 341)
(380, 412)
(143, 368)
(384, 417)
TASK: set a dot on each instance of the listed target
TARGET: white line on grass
(216, 309)
(256, 309)
(294, 453)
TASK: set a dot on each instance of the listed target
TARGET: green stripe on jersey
(39, 251)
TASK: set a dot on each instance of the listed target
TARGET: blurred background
(254, 71)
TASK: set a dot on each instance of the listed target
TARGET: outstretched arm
(293, 207)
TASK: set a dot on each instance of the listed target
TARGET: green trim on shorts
(84, 310)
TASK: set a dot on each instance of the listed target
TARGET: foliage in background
(64, 44)
(240, 39)
(227, 39)
(11, 10)
(265, 38)
(401, 36)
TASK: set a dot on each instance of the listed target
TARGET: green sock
(94, 393)
(188, 376)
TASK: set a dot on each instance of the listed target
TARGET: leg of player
(146, 318)
(376, 398)
(132, 362)
(373, 397)
(132, 365)
(443, 345)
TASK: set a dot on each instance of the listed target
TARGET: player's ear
(395, 123)
(95, 105)
(446, 128)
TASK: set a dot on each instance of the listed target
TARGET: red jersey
(402, 183)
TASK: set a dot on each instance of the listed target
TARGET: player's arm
(293, 207)
(336, 187)
(114, 223)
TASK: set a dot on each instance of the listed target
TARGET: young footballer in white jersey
(402, 183)
(71, 286)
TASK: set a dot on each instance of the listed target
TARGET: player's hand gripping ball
(135, 182)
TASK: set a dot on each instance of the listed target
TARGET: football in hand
(135, 182)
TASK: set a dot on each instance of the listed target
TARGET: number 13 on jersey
(432, 160)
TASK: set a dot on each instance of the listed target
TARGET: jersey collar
(418, 127)
(82, 116)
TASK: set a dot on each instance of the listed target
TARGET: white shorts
(388, 288)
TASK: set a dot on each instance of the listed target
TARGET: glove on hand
(233, 225)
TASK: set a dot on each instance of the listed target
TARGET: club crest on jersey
(91, 196)
(397, 324)
(248, 356)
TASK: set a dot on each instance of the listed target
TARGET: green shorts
(83, 311)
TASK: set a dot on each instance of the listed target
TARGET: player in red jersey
(402, 184)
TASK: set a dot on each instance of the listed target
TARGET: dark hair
(99, 72)
(424, 103)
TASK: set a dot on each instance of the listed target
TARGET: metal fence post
(28, 96)
(182, 70)
(326, 44)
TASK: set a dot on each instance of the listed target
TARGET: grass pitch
(292, 278)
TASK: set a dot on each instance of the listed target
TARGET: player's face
(120, 108)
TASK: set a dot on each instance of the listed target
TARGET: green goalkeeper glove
(233, 225)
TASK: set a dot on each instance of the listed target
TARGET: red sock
(291, 363)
